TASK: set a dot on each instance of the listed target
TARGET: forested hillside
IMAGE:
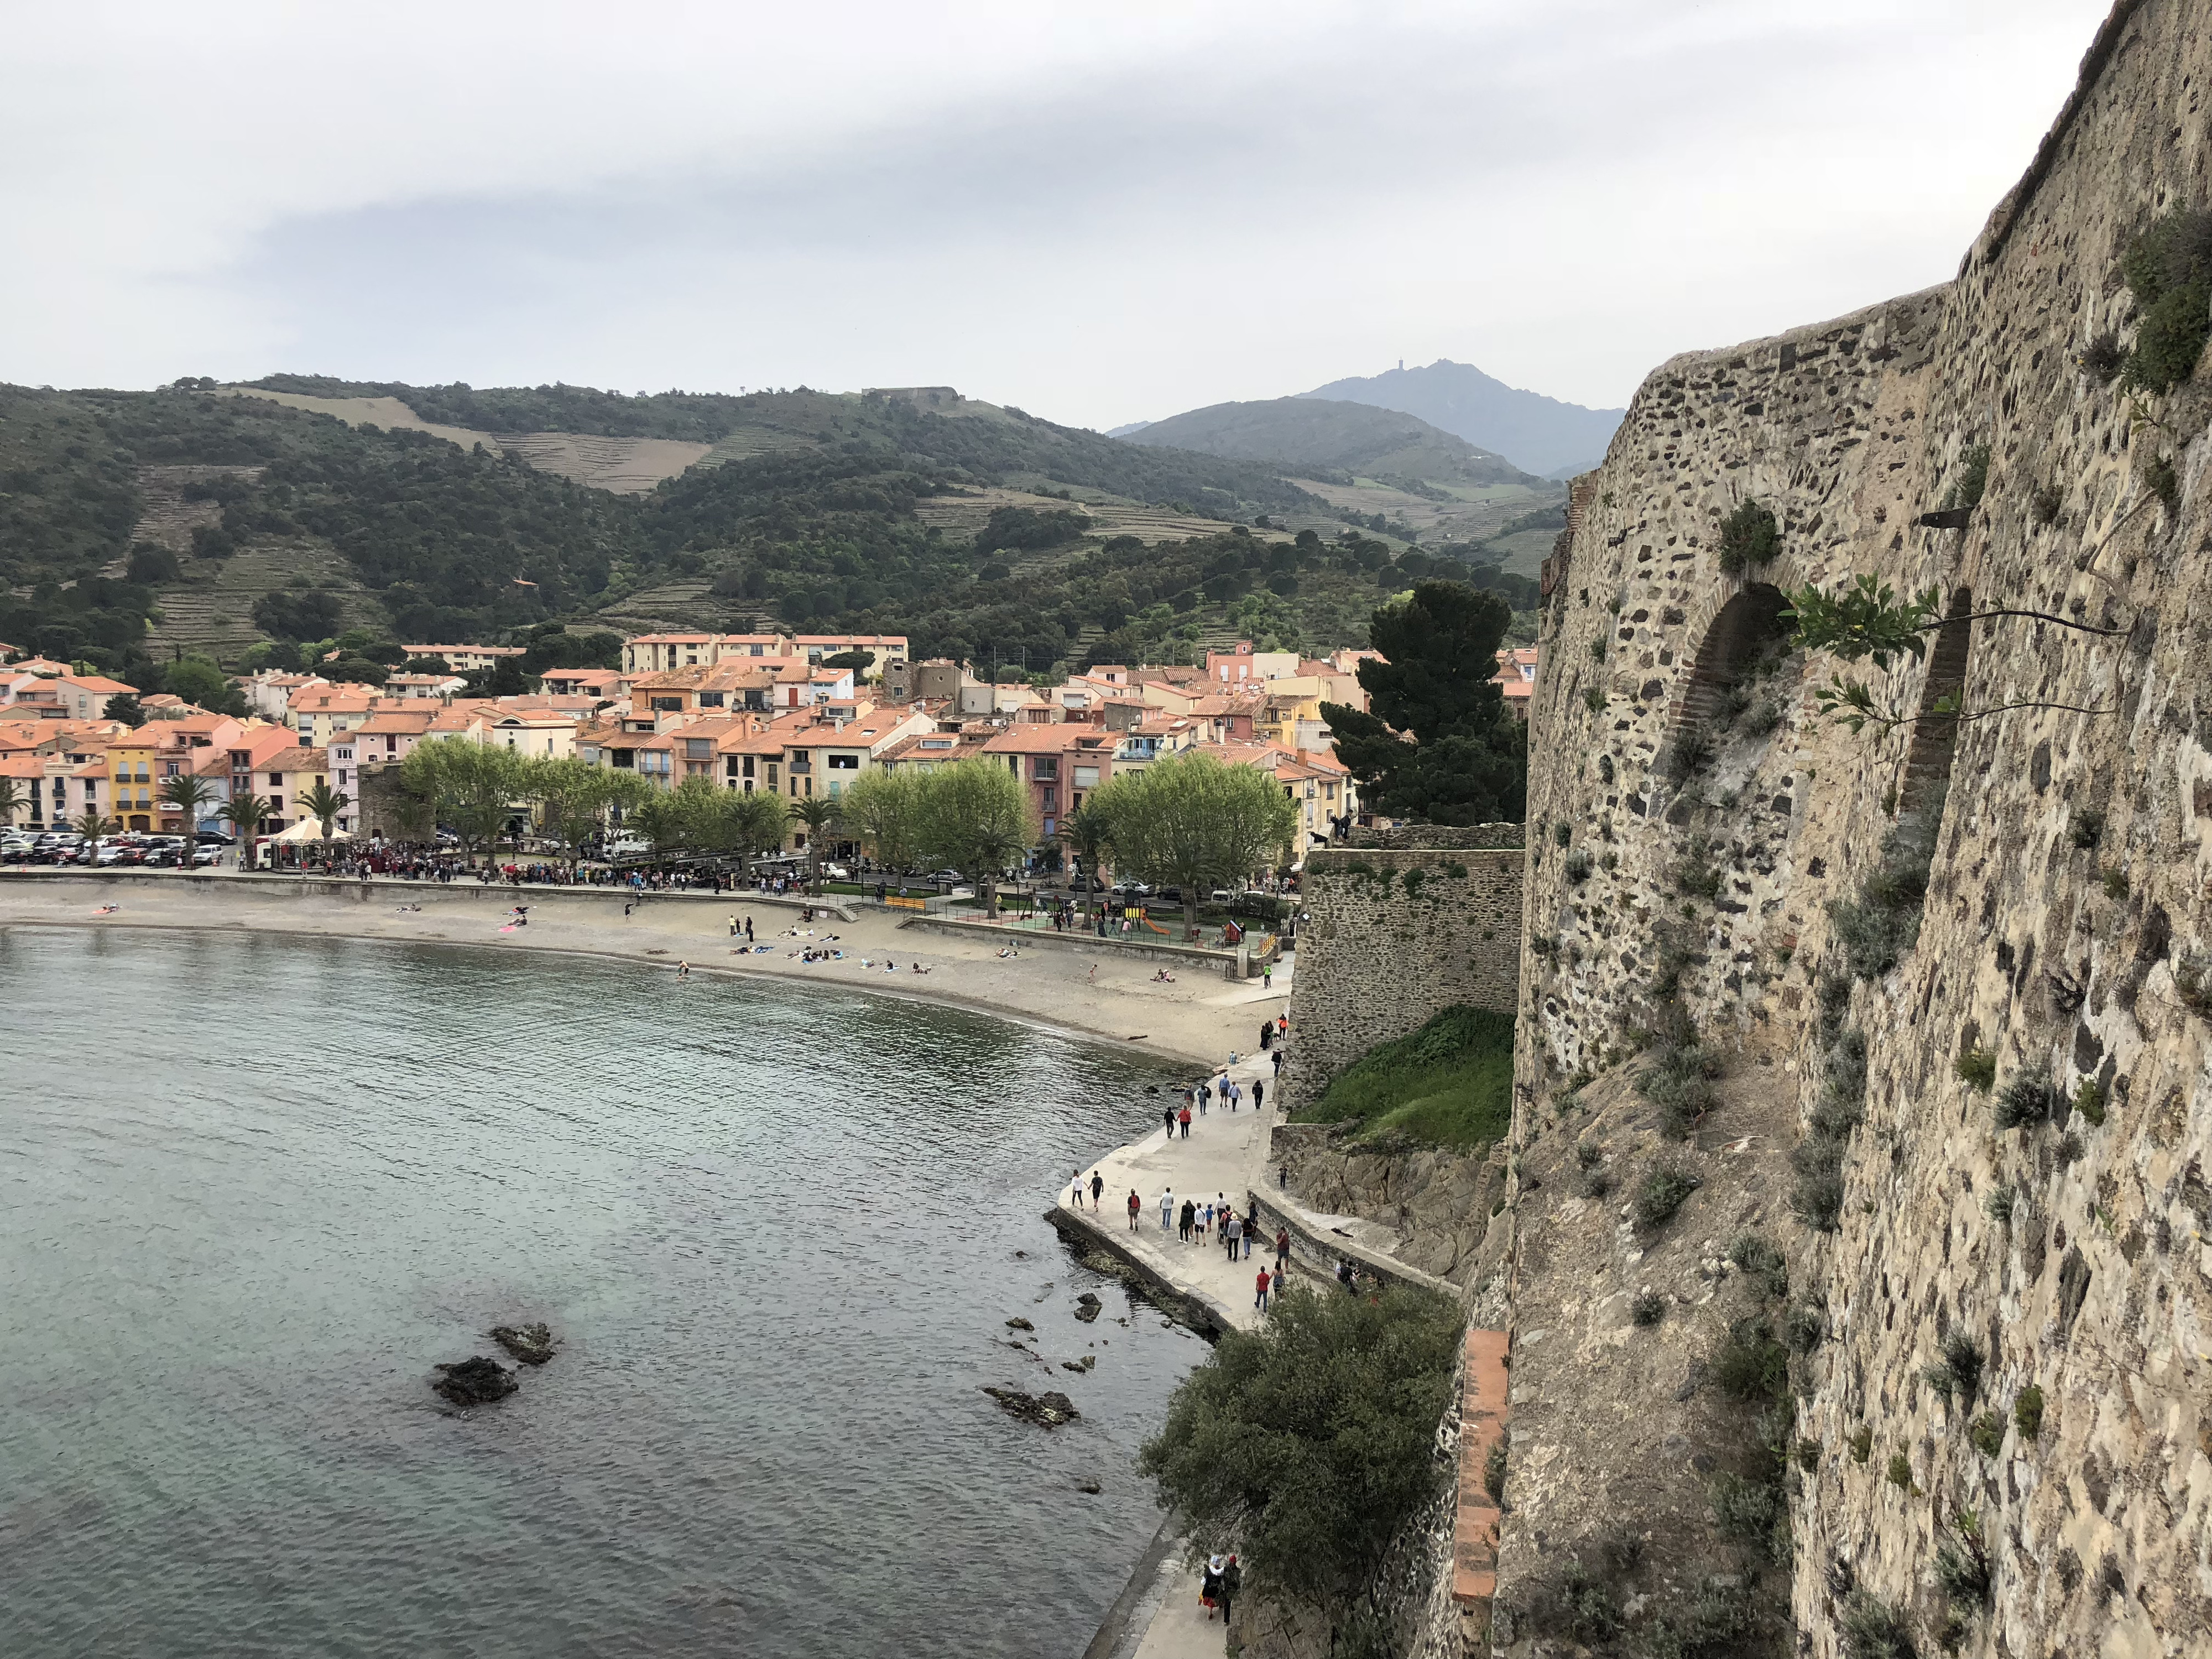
(136, 525)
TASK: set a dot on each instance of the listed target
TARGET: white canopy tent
(309, 830)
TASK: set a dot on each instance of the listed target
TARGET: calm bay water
(251, 1189)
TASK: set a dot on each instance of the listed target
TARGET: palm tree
(818, 813)
(246, 814)
(187, 795)
(12, 801)
(1088, 835)
(91, 826)
(322, 802)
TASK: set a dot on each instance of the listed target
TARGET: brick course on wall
(1387, 939)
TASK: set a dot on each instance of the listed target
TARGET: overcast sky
(1100, 213)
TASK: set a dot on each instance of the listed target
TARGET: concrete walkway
(1227, 1155)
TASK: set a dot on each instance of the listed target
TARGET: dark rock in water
(1079, 1365)
(1091, 1486)
(1088, 1307)
(1050, 1409)
(1021, 1255)
(1150, 1089)
(475, 1381)
(532, 1344)
(1019, 1324)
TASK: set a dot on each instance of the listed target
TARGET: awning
(310, 829)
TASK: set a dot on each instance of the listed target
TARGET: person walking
(1136, 1208)
(1205, 1097)
(1279, 1061)
(1259, 1092)
(1232, 1235)
(1187, 1219)
(1097, 1186)
(1075, 1193)
(1184, 1119)
(733, 924)
(1168, 1122)
(1264, 1281)
(1167, 1208)
(1267, 1035)
(1232, 1576)
(1282, 1251)
(749, 930)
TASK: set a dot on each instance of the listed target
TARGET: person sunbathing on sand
(1164, 977)
(108, 909)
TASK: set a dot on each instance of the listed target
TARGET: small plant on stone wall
(1987, 1434)
(2087, 830)
(1962, 1569)
(1493, 1471)
(2025, 1102)
(2043, 505)
(1766, 1266)
(2116, 883)
(1696, 873)
(2102, 358)
(1597, 650)
(1874, 1629)
(2168, 269)
(1971, 480)
(1806, 1328)
(1750, 537)
(2089, 1103)
(1750, 1365)
(2159, 478)
(1883, 924)
(1817, 1197)
(1900, 1473)
(1664, 1190)
(1594, 699)
(1998, 1206)
(1679, 1082)
(2027, 1411)
(1862, 1444)
(2192, 981)
(1957, 1374)
(1978, 1069)
(1648, 1308)
(1688, 753)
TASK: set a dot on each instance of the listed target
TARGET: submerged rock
(1018, 1324)
(532, 1344)
(475, 1381)
(1050, 1409)
(1088, 1307)
(1082, 1364)
(1091, 1486)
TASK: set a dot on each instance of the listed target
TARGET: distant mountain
(1129, 431)
(1541, 433)
(1348, 437)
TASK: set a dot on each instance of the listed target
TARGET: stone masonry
(2066, 934)
(1388, 938)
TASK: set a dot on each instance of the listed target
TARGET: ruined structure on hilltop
(1863, 1124)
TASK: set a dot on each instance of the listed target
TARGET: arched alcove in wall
(1745, 626)
(1935, 738)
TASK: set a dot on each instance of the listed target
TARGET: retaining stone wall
(1390, 938)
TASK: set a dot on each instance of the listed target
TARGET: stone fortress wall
(2068, 913)
(1388, 937)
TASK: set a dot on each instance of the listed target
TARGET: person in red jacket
(1264, 1280)
(1183, 1118)
(1136, 1205)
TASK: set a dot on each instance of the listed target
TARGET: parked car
(204, 856)
(213, 838)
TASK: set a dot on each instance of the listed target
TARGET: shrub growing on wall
(1749, 537)
(2168, 269)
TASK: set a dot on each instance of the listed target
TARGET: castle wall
(2068, 905)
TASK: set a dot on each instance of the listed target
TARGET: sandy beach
(1199, 1018)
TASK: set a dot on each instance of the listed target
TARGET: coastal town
(91, 772)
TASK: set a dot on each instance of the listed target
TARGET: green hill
(1338, 442)
(135, 524)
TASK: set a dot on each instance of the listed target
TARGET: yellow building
(130, 795)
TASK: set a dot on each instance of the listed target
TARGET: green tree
(246, 814)
(473, 787)
(1191, 821)
(12, 801)
(92, 825)
(883, 809)
(757, 824)
(660, 818)
(323, 804)
(976, 819)
(188, 795)
(126, 707)
(1306, 1445)
(1468, 759)
(1088, 832)
(574, 798)
(202, 684)
(817, 813)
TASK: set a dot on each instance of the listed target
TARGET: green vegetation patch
(2168, 269)
(1449, 1084)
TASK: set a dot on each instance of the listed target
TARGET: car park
(204, 856)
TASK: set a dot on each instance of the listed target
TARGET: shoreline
(1195, 1022)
